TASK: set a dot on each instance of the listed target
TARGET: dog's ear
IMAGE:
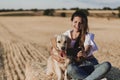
(54, 42)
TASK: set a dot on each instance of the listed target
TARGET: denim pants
(88, 70)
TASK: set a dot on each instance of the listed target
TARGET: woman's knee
(106, 65)
(70, 68)
(76, 72)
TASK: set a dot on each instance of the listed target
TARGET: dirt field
(26, 38)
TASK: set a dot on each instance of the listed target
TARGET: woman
(89, 69)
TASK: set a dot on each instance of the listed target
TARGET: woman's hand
(84, 53)
(61, 59)
(80, 54)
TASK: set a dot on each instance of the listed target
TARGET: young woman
(80, 36)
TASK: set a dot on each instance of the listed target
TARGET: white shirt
(89, 40)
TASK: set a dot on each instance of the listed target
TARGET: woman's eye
(58, 41)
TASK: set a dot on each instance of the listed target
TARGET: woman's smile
(76, 23)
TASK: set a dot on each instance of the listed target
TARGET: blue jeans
(88, 70)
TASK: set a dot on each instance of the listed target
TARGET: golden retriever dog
(59, 46)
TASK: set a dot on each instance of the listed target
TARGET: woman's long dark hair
(81, 38)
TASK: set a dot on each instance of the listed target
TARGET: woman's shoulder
(90, 35)
(67, 32)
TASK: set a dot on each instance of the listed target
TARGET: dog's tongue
(62, 53)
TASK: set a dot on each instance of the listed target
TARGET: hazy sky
(43, 4)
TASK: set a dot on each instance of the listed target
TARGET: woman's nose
(78, 25)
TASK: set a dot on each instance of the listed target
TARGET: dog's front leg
(67, 61)
(58, 71)
(65, 77)
(49, 70)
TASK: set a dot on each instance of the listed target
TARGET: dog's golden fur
(59, 43)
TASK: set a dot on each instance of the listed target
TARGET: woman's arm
(87, 50)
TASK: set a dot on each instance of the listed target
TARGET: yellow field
(26, 38)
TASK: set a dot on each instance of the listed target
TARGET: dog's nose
(63, 48)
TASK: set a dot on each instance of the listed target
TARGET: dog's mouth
(62, 53)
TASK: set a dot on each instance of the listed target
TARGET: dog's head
(61, 42)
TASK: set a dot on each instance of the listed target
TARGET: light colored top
(89, 40)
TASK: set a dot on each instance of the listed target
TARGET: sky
(48, 4)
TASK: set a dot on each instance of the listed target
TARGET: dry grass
(26, 38)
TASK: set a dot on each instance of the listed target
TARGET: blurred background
(26, 27)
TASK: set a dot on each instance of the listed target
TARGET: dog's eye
(58, 41)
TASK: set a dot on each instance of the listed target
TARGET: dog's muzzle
(63, 48)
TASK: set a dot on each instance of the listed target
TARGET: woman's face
(77, 21)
